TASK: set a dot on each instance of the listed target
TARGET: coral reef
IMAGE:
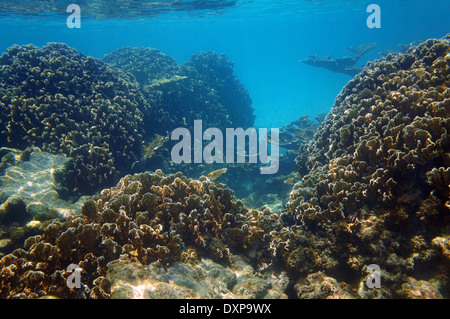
(402, 48)
(257, 190)
(420, 289)
(29, 194)
(63, 102)
(375, 186)
(145, 218)
(217, 70)
(372, 184)
(298, 132)
(203, 88)
(146, 64)
(319, 286)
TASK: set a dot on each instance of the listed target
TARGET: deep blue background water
(265, 40)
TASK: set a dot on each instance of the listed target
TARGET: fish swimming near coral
(320, 117)
(174, 78)
(153, 145)
(214, 175)
(289, 180)
(292, 180)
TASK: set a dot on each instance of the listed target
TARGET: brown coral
(145, 218)
(378, 169)
(61, 101)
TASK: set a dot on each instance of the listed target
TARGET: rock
(13, 210)
(205, 279)
(320, 286)
(420, 289)
(33, 180)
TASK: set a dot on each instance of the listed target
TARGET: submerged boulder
(35, 179)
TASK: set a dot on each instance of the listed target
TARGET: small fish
(152, 146)
(289, 180)
(174, 78)
(420, 100)
(214, 175)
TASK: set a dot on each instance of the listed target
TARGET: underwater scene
(224, 149)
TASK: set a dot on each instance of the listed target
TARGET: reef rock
(319, 286)
(34, 179)
(205, 279)
(29, 194)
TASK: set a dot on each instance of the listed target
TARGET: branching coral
(378, 167)
(145, 218)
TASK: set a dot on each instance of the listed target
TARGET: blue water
(265, 39)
